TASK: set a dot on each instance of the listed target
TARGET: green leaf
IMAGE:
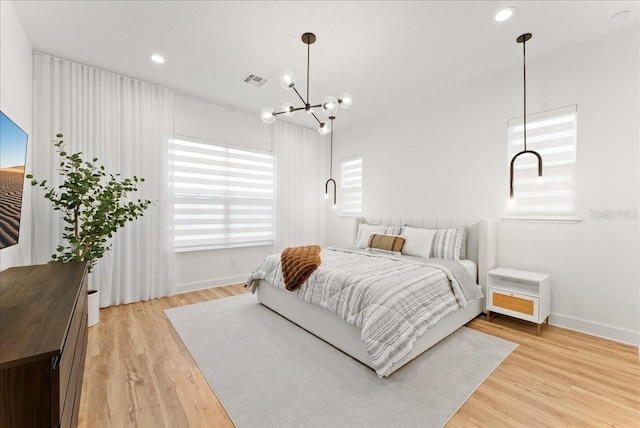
(94, 205)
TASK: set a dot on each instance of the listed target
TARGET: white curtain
(302, 167)
(126, 124)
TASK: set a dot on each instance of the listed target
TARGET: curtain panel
(126, 124)
(302, 167)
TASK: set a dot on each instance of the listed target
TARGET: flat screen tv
(13, 154)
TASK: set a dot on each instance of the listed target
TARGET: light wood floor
(139, 374)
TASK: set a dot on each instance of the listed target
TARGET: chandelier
(329, 105)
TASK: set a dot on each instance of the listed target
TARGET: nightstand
(520, 294)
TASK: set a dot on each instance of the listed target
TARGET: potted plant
(94, 206)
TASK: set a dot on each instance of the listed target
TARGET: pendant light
(331, 180)
(523, 39)
(329, 105)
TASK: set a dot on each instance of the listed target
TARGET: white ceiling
(388, 54)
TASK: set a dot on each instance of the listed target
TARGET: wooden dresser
(43, 343)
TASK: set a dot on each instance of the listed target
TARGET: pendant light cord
(308, 62)
(331, 180)
(331, 152)
(524, 75)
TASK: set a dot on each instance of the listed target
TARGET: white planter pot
(94, 307)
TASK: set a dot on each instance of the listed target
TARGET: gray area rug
(268, 372)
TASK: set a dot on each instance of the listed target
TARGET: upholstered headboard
(481, 236)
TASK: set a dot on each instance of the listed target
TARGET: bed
(480, 258)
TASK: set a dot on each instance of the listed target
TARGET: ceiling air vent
(254, 80)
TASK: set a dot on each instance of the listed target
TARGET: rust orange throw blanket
(298, 263)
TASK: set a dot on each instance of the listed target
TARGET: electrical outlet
(233, 262)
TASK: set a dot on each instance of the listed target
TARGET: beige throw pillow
(392, 243)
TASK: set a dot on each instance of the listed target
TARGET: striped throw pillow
(393, 229)
(448, 244)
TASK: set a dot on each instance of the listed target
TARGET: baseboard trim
(604, 331)
(210, 283)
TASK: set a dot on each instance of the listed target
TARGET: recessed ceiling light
(158, 59)
(504, 14)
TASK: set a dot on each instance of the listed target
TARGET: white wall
(212, 122)
(16, 76)
(447, 156)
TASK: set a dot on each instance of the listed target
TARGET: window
(553, 135)
(351, 185)
(223, 196)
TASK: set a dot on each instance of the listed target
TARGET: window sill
(221, 247)
(542, 219)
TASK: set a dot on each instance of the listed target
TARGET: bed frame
(481, 248)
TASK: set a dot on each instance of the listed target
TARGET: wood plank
(139, 373)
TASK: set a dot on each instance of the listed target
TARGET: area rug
(268, 372)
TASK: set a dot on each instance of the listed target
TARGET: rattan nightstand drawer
(513, 304)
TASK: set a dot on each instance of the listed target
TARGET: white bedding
(394, 300)
(470, 266)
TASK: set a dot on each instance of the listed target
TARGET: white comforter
(392, 300)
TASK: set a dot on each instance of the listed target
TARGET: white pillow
(366, 230)
(417, 241)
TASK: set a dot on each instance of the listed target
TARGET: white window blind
(223, 196)
(553, 134)
(351, 185)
